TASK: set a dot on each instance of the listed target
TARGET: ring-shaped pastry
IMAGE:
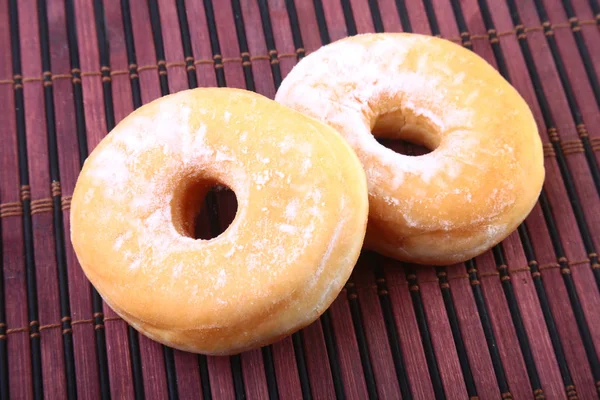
(301, 219)
(486, 169)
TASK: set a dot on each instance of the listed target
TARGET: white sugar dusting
(307, 233)
(156, 219)
(261, 178)
(121, 240)
(221, 279)
(286, 228)
(316, 195)
(306, 164)
(110, 166)
(118, 243)
(230, 252)
(357, 78)
(177, 270)
(135, 264)
(286, 144)
(291, 210)
(89, 195)
(222, 157)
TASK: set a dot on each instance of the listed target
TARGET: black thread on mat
(376, 16)
(382, 289)
(404, 17)
(238, 377)
(193, 83)
(295, 25)
(465, 36)
(548, 317)
(136, 91)
(188, 53)
(265, 18)
(214, 45)
(391, 329)
(596, 10)
(240, 28)
(240, 31)
(566, 84)
(298, 338)
(211, 198)
(267, 354)
(434, 371)
(497, 250)
(525, 240)
(57, 215)
(326, 318)
(581, 46)
(363, 346)
(104, 56)
(169, 357)
(30, 274)
(359, 329)
(551, 126)
(321, 21)
(336, 372)
(349, 17)
(456, 332)
(159, 47)
(441, 272)
(77, 88)
(517, 319)
(431, 17)
(276, 73)
(298, 342)
(488, 331)
(584, 330)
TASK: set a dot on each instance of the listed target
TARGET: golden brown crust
(486, 171)
(301, 219)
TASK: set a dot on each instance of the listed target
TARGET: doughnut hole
(405, 133)
(203, 209)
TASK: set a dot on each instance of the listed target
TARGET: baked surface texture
(301, 219)
(486, 169)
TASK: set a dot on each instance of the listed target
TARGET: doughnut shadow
(403, 147)
(220, 201)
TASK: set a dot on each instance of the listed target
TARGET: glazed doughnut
(301, 219)
(486, 169)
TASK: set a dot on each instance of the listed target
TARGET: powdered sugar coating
(486, 168)
(291, 236)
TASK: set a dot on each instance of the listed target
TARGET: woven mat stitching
(569, 147)
(373, 287)
(274, 56)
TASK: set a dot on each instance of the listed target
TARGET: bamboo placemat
(521, 321)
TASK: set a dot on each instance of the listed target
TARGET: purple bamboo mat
(521, 321)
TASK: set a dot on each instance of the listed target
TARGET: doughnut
(485, 171)
(301, 219)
